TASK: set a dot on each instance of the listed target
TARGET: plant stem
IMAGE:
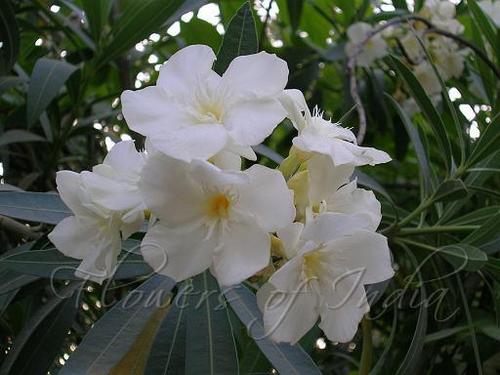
(416, 244)
(437, 229)
(424, 205)
(367, 353)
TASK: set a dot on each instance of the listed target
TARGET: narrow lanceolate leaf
(50, 263)
(450, 190)
(488, 142)
(477, 217)
(19, 136)
(417, 144)
(11, 281)
(168, 353)
(97, 12)
(210, 343)
(295, 12)
(138, 20)
(483, 22)
(38, 207)
(240, 38)
(47, 79)
(487, 236)
(9, 35)
(39, 342)
(463, 256)
(428, 109)
(285, 358)
(115, 333)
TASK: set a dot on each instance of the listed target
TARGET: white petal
(73, 237)
(260, 74)
(367, 251)
(69, 185)
(244, 250)
(288, 315)
(348, 153)
(227, 160)
(213, 178)
(132, 222)
(177, 254)
(325, 177)
(170, 192)
(250, 122)
(294, 103)
(344, 308)
(185, 67)
(358, 31)
(267, 197)
(125, 159)
(290, 236)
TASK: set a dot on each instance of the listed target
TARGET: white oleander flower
(412, 47)
(193, 113)
(427, 78)
(213, 218)
(320, 136)
(373, 49)
(114, 183)
(491, 9)
(93, 233)
(442, 15)
(449, 59)
(331, 258)
(323, 187)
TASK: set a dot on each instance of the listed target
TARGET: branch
(19, 228)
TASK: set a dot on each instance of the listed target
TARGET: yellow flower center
(218, 206)
(312, 264)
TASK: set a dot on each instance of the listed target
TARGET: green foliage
(61, 75)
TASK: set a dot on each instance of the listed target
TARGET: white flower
(373, 49)
(330, 260)
(412, 47)
(323, 187)
(114, 183)
(442, 15)
(427, 78)
(491, 9)
(93, 234)
(193, 112)
(209, 217)
(450, 61)
(320, 136)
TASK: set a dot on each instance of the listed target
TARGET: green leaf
(428, 109)
(464, 256)
(285, 358)
(8, 82)
(198, 31)
(9, 35)
(295, 12)
(240, 39)
(168, 352)
(210, 343)
(414, 135)
(450, 190)
(487, 236)
(411, 361)
(51, 263)
(39, 342)
(11, 280)
(19, 136)
(371, 183)
(444, 333)
(477, 217)
(140, 19)
(487, 143)
(484, 24)
(114, 334)
(47, 79)
(37, 207)
(97, 12)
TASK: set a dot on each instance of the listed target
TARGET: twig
(19, 228)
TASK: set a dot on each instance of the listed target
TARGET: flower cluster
(445, 53)
(308, 222)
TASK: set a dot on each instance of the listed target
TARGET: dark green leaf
(198, 31)
(477, 217)
(295, 12)
(9, 35)
(444, 333)
(450, 190)
(286, 358)
(488, 141)
(464, 256)
(35, 347)
(428, 109)
(210, 343)
(240, 39)
(8, 82)
(484, 24)
(97, 12)
(487, 236)
(19, 136)
(38, 207)
(113, 335)
(47, 79)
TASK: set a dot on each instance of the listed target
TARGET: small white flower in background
(491, 9)
(373, 49)
(193, 113)
(450, 60)
(209, 217)
(320, 136)
(323, 187)
(93, 233)
(442, 15)
(412, 47)
(427, 78)
(331, 258)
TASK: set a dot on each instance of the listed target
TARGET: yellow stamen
(218, 206)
